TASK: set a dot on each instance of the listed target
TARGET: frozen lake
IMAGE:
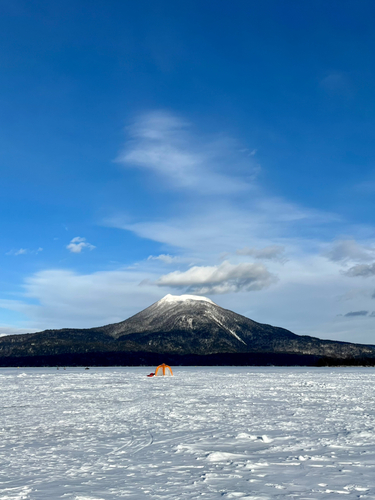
(234, 433)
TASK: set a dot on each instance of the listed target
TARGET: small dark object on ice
(87, 368)
(151, 375)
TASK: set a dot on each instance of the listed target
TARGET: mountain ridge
(184, 325)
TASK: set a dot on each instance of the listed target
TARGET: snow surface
(233, 433)
(184, 298)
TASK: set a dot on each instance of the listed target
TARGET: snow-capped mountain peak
(183, 298)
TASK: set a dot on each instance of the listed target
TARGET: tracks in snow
(135, 444)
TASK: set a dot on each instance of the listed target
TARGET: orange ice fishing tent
(163, 371)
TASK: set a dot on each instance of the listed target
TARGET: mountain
(186, 329)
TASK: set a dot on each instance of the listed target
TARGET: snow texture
(234, 433)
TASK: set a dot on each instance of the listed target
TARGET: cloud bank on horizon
(258, 194)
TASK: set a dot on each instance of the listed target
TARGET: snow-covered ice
(235, 433)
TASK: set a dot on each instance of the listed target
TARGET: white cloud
(272, 252)
(24, 251)
(225, 278)
(221, 227)
(21, 251)
(163, 144)
(346, 250)
(165, 258)
(361, 270)
(58, 298)
(77, 244)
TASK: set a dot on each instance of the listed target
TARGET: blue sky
(215, 148)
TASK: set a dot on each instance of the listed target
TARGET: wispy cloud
(58, 298)
(361, 270)
(163, 143)
(356, 313)
(77, 244)
(346, 250)
(11, 330)
(224, 278)
(337, 83)
(24, 251)
(273, 252)
(21, 251)
(221, 226)
(166, 258)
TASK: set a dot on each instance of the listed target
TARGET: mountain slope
(180, 325)
(189, 324)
